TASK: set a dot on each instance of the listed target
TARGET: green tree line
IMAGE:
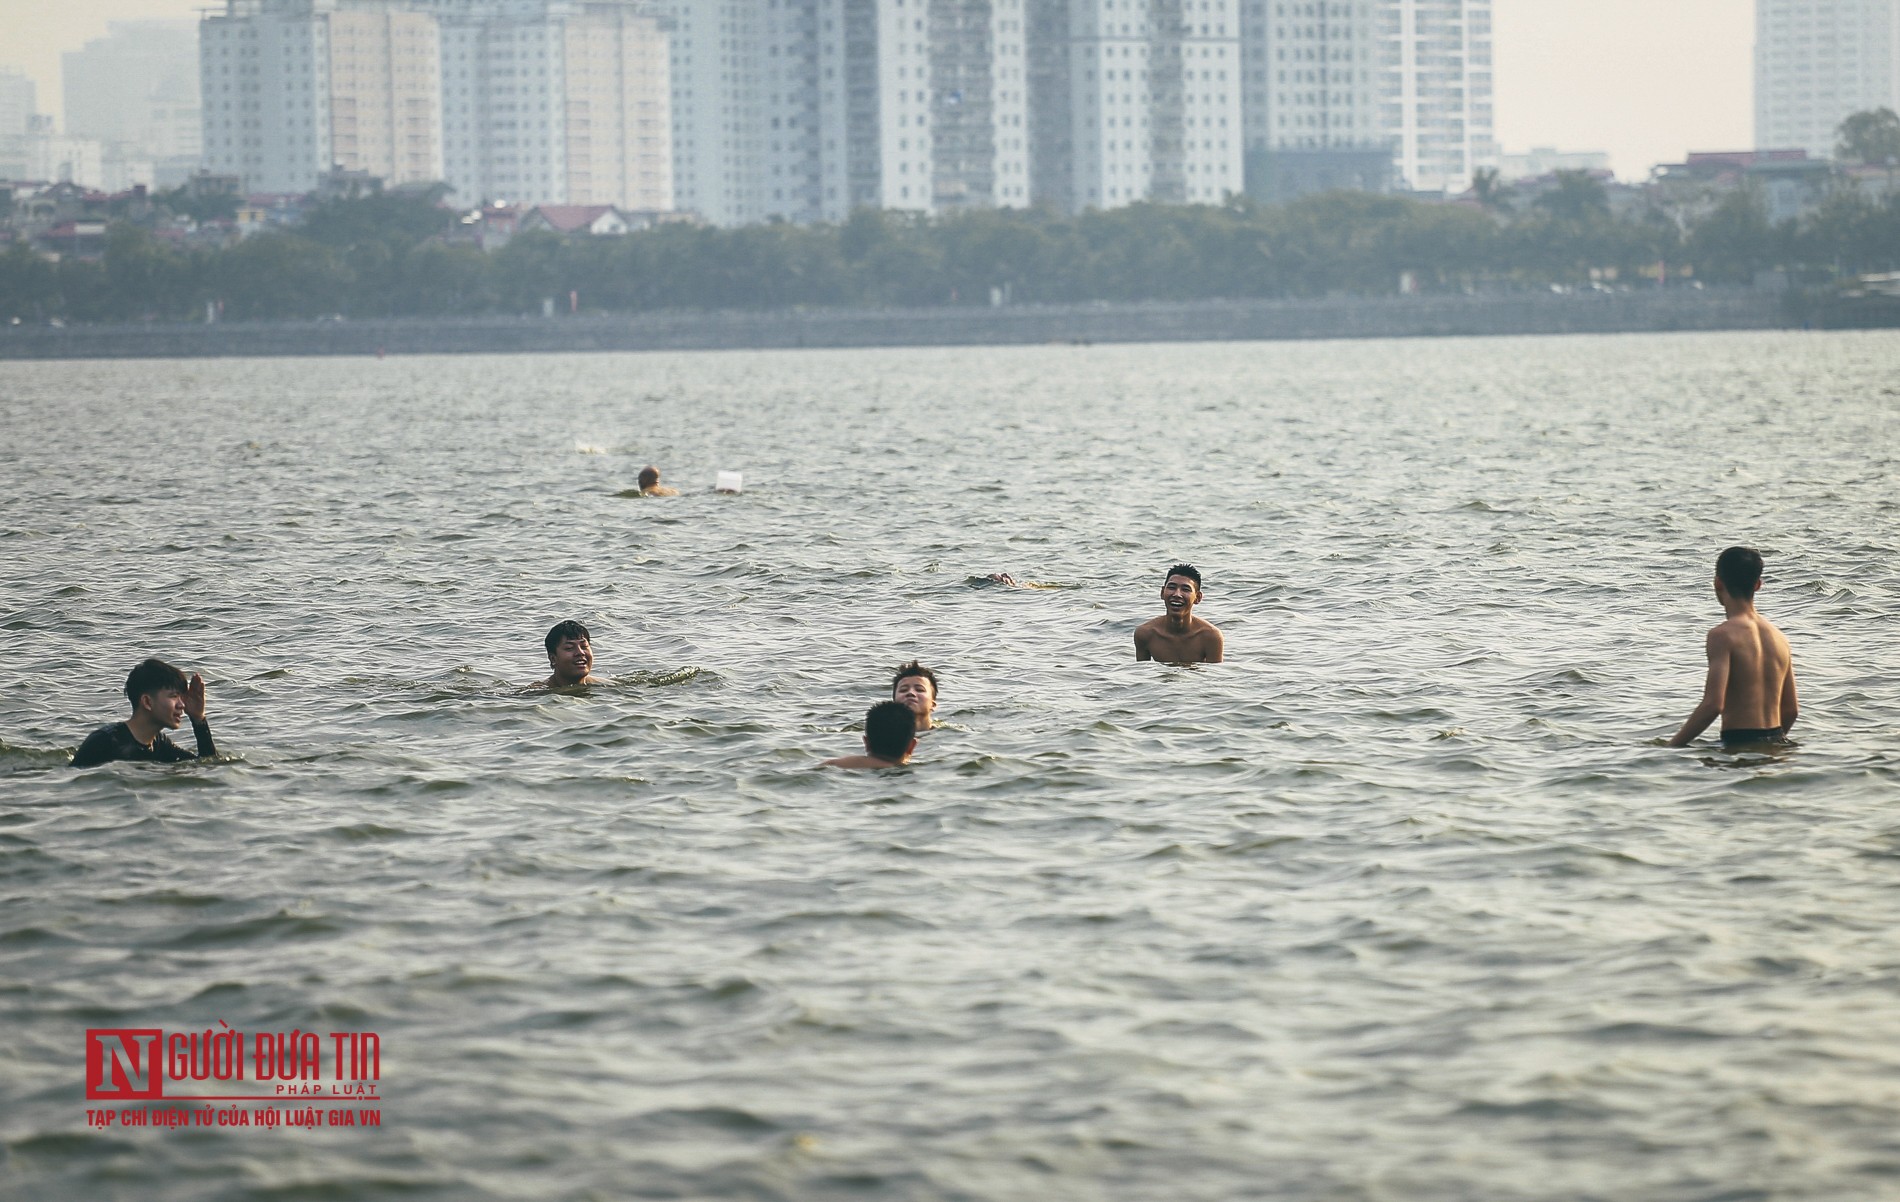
(394, 256)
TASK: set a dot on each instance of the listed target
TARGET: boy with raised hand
(162, 698)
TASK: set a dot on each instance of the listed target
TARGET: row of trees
(392, 255)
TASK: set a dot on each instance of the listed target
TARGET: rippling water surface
(1403, 902)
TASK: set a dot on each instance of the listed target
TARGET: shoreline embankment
(1527, 313)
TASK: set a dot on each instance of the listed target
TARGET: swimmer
(1178, 637)
(915, 688)
(650, 485)
(162, 698)
(890, 735)
(1751, 671)
(571, 656)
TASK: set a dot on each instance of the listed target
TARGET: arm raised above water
(1714, 690)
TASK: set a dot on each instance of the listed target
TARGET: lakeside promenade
(1197, 321)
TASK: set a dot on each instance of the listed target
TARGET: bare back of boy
(1757, 673)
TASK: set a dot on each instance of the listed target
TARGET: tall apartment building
(19, 105)
(804, 110)
(1362, 93)
(136, 91)
(1817, 62)
(556, 102)
(1135, 100)
(1436, 90)
(294, 88)
(538, 101)
(1313, 76)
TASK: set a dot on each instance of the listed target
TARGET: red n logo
(123, 1063)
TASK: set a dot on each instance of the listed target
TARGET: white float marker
(728, 482)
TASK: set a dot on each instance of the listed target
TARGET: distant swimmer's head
(570, 653)
(1738, 572)
(915, 687)
(649, 476)
(1181, 590)
(890, 731)
(158, 688)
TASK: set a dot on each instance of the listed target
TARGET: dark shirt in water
(1744, 738)
(115, 742)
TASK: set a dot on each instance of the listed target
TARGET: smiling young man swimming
(1751, 671)
(571, 656)
(1178, 637)
(162, 698)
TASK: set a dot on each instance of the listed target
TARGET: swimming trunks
(115, 742)
(1742, 738)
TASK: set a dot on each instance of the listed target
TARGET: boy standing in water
(1178, 637)
(570, 656)
(162, 698)
(1751, 671)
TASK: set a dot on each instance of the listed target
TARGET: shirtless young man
(162, 698)
(890, 735)
(571, 656)
(650, 485)
(915, 686)
(1751, 672)
(1178, 637)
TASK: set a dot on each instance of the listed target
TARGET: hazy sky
(1645, 80)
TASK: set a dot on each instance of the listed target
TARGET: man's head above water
(1181, 589)
(570, 655)
(915, 687)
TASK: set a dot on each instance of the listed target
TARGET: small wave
(14, 756)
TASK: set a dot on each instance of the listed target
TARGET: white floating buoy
(728, 482)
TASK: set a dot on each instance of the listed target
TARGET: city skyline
(1653, 86)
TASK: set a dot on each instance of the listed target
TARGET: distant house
(75, 240)
(1791, 183)
(593, 221)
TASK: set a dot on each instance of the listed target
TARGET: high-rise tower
(1817, 62)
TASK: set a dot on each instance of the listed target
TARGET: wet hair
(1185, 569)
(913, 668)
(649, 476)
(154, 675)
(565, 631)
(1739, 569)
(889, 726)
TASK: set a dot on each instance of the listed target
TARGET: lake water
(1402, 902)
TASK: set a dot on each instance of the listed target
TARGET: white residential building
(1143, 99)
(294, 88)
(979, 85)
(559, 102)
(529, 101)
(805, 110)
(19, 105)
(1544, 160)
(1312, 74)
(1436, 90)
(1817, 62)
(136, 91)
